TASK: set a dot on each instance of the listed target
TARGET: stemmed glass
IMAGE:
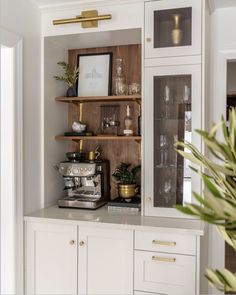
(174, 153)
(167, 103)
(166, 191)
(163, 150)
(187, 94)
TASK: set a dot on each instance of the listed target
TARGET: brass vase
(127, 191)
(177, 33)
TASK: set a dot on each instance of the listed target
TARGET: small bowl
(78, 127)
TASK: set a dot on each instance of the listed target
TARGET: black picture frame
(102, 90)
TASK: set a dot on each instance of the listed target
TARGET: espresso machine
(87, 184)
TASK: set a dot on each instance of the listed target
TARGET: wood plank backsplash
(115, 151)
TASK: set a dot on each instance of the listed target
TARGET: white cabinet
(164, 273)
(172, 110)
(105, 261)
(165, 263)
(51, 259)
(100, 263)
(173, 28)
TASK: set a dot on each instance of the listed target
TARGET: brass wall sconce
(88, 19)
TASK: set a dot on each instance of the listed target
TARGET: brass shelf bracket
(139, 149)
(88, 19)
(80, 142)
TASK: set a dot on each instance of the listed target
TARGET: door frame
(15, 41)
(218, 96)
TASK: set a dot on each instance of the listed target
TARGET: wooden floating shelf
(80, 99)
(108, 137)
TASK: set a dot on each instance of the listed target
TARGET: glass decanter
(119, 83)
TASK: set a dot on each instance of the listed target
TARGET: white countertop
(119, 220)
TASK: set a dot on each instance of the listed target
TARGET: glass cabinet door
(173, 109)
(172, 28)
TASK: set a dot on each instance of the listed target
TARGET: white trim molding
(218, 102)
(80, 4)
(14, 41)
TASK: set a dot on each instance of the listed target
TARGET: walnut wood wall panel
(114, 151)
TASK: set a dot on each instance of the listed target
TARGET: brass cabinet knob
(72, 242)
(148, 39)
(81, 243)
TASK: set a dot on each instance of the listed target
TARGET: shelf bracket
(139, 149)
(80, 142)
(138, 101)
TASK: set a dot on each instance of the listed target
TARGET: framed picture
(95, 74)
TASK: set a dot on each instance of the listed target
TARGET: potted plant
(70, 78)
(126, 178)
(217, 204)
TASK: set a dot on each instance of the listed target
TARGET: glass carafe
(119, 83)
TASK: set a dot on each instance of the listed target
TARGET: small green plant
(124, 174)
(70, 76)
(217, 204)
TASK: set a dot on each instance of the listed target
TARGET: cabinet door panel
(164, 273)
(51, 259)
(105, 261)
(172, 28)
(172, 110)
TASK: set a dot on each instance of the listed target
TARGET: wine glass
(166, 190)
(163, 146)
(186, 97)
(167, 102)
(174, 153)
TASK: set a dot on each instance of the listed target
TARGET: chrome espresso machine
(87, 184)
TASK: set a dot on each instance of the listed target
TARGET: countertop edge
(125, 226)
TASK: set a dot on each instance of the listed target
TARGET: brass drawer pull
(72, 242)
(163, 259)
(164, 243)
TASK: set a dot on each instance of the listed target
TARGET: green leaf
(213, 188)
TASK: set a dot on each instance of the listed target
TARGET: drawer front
(169, 243)
(164, 273)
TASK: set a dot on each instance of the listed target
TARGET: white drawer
(164, 273)
(161, 242)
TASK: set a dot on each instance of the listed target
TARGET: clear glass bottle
(128, 122)
(119, 83)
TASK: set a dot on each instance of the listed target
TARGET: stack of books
(122, 205)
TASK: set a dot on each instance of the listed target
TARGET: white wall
(23, 18)
(56, 120)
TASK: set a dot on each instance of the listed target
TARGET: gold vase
(177, 33)
(127, 191)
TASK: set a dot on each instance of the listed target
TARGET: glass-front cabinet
(172, 28)
(173, 109)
